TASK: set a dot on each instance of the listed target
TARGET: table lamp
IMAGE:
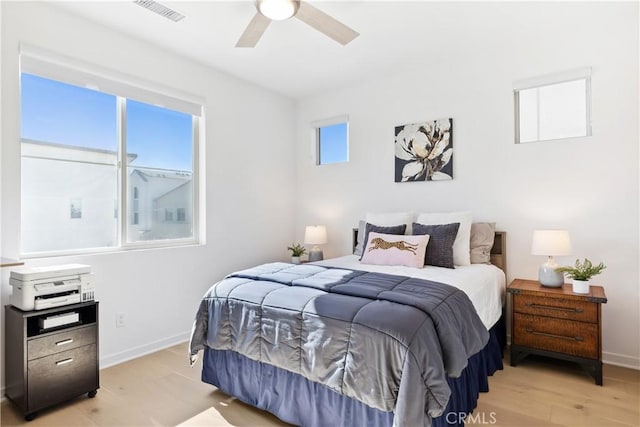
(315, 235)
(550, 243)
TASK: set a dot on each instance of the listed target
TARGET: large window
(86, 150)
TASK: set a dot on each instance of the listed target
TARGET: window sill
(132, 247)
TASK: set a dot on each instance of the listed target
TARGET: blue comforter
(387, 341)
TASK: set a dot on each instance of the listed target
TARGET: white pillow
(461, 246)
(393, 218)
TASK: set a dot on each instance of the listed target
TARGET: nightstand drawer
(62, 376)
(583, 311)
(65, 340)
(561, 336)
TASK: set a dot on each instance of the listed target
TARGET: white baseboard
(621, 360)
(133, 353)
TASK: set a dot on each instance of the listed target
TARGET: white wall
(586, 185)
(247, 162)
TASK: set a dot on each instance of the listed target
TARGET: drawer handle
(544, 334)
(64, 362)
(67, 341)
(550, 307)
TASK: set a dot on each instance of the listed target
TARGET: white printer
(37, 288)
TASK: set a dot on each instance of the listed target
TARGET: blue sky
(333, 147)
(65, 114)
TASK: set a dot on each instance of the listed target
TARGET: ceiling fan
(278, 10)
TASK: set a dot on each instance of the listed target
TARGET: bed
(342, 343)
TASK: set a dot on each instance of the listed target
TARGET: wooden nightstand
(558, 323)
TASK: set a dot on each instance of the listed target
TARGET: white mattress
(484, 284)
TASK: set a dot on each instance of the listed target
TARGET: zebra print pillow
(395, 249)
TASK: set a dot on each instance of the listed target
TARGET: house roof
(60, 149)
(147, 173)
(55, 151)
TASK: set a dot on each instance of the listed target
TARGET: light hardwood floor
(162, 390)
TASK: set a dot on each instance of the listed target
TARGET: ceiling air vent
(160, 9)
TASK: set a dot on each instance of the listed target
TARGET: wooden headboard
(498, 252)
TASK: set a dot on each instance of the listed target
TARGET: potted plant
(581, 273)
(297, 250)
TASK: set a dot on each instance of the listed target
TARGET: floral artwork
(424, 151)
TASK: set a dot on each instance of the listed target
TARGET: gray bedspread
(388, 341)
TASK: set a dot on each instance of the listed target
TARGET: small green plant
(582, 271)
(297, 249)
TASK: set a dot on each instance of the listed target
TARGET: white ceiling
(298, 61)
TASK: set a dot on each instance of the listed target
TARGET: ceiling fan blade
(254, 31)
(325, 23)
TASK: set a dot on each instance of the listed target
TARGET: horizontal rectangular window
(548, 110)
(73, 141)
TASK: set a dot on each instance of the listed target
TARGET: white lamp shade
(315, 235)
(551, 243)
(278, 10)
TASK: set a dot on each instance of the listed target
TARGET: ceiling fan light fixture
(278, 10)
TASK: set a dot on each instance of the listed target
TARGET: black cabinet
(46, 366)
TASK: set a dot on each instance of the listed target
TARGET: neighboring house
(70, 193)
(160, 203)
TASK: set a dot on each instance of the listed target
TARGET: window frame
(549, 80)
(318, 125)
(51, 66)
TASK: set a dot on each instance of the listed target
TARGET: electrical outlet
(119, 320)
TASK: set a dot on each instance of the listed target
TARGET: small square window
(332, 144)
(549, 110)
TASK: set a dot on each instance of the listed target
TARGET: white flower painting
(424, 151)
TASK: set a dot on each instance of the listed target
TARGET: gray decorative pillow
(482, 236)
(393, 229)
(440, 246)
(360, 244)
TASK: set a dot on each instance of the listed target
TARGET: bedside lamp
(550, 243)
(315, 235)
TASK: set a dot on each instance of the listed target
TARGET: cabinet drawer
(62, 376)
(64, 340)
(561, 336)
(583, 311)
